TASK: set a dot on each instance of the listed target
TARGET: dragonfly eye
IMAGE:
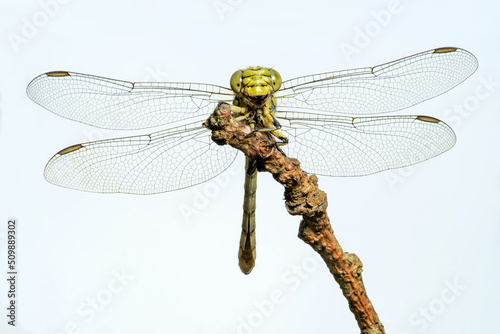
(275, 79)
(236, 81)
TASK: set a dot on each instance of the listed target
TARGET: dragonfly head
(255, 83)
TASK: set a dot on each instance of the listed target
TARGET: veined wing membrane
(384, 88)
(122, 105)
(162, 161)
(335, 145)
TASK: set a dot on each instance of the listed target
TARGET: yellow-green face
(255, 83)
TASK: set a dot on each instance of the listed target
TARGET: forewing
(355, 146)
(123, 105)
(384, 88)
(162, 161)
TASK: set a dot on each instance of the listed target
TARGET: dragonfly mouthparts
(259, 97)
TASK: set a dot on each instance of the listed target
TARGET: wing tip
(450, 49)
(58, 74)
(429, 119)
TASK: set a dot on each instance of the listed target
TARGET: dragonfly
(331, 122)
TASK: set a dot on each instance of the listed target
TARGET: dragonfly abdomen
(247, 252)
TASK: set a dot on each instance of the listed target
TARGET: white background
(428, 235)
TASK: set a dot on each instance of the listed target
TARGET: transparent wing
(384, 88)
(123, 105)
(162, 161)
(354, 146)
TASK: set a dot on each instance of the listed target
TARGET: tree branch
(302, 198)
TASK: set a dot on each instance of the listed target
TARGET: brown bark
(302, 198)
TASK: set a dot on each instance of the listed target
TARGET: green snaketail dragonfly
(316, 116)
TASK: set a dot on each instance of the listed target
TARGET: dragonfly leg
(243, 114)
(279, 149)
(271, 125)
(240, 111)
(280, 136)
